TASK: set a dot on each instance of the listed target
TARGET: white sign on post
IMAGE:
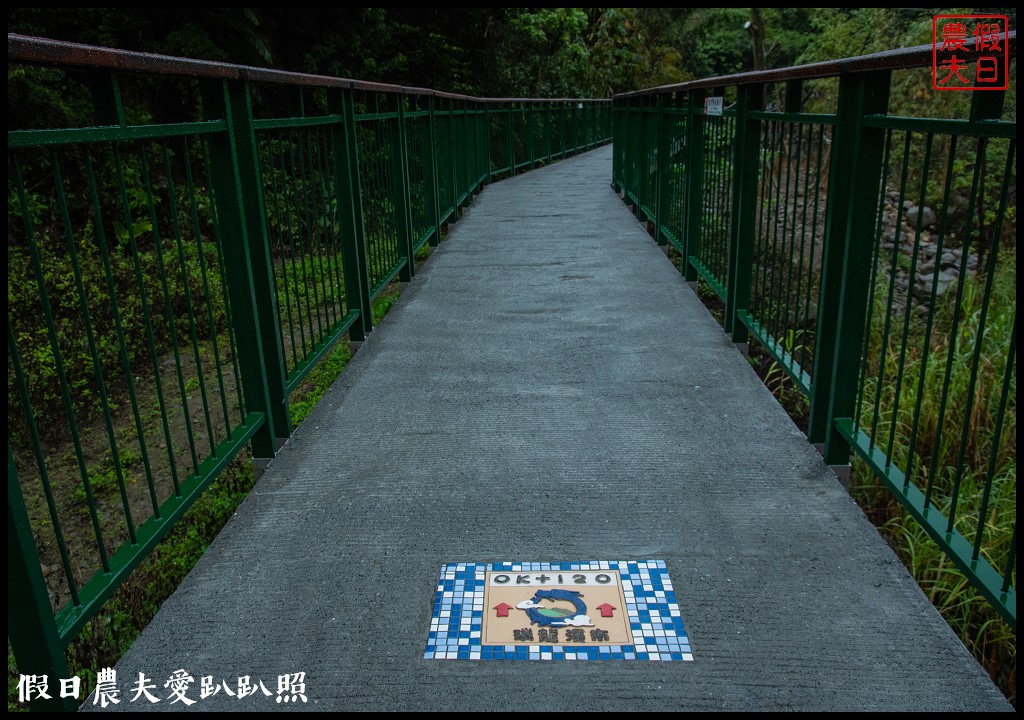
(713, 105)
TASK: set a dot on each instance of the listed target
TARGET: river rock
(929, 217)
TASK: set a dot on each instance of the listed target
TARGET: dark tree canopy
(502, 51)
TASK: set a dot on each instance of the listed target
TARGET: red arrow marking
(503, 609)
(606, 610)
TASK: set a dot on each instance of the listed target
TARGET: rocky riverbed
(933, 267)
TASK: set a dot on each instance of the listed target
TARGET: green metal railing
(886, 320)
(172, 281)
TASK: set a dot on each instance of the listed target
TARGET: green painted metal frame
(452, 151)
(744, 209)
(834, 374)
(990, 582)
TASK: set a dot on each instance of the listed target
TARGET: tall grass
(957, 440)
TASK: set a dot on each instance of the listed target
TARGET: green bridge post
(694, 182)
(241, 218)
(349, 211)
(846, 261)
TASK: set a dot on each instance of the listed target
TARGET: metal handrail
(43, 51)
(899, 59)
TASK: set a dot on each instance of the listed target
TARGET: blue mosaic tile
(654, 617)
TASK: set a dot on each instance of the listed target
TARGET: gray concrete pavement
(548, 388)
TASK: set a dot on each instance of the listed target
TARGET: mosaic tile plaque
(603, 610)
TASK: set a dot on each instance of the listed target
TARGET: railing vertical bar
(187, 290)
(958, 313)
(323, 229)
(793, 100)
(997, 433)
(728, 218)
(510, 133)
(30, 628)
(332, 190)
(454, 155)
(58, 362)
(241, 217)
(309, 236)
(789, 230)
(711, 191)
(271, 201)
(933, 297)
(401, 190)
(990, 272)
(112, 296)
(907, 308)
(172, 330)
(90, 339)
(664, 170)
(387, 245)
(771, 323)
(278, 204)
(789, 322)
(876, 256)
(884, 346)
(694, 184)
(430, 175)
(204, 272)
(293, 208)
(713, 196)
(148, 317)
(350, 217)
(218, 245)
(765, 173)
(44, 476)
(387, 251)
(814, 227)
(801, 325)
(744, 204)
(320, 229)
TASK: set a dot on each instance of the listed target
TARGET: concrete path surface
(548, 388)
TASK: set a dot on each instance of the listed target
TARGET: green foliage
(848, 32)
(726, 49)
(305, 398)
(979, 627)
(552, 47)
(510, 52)
(637, 47)
(212, 33)
(44, 97)
(140, 254)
